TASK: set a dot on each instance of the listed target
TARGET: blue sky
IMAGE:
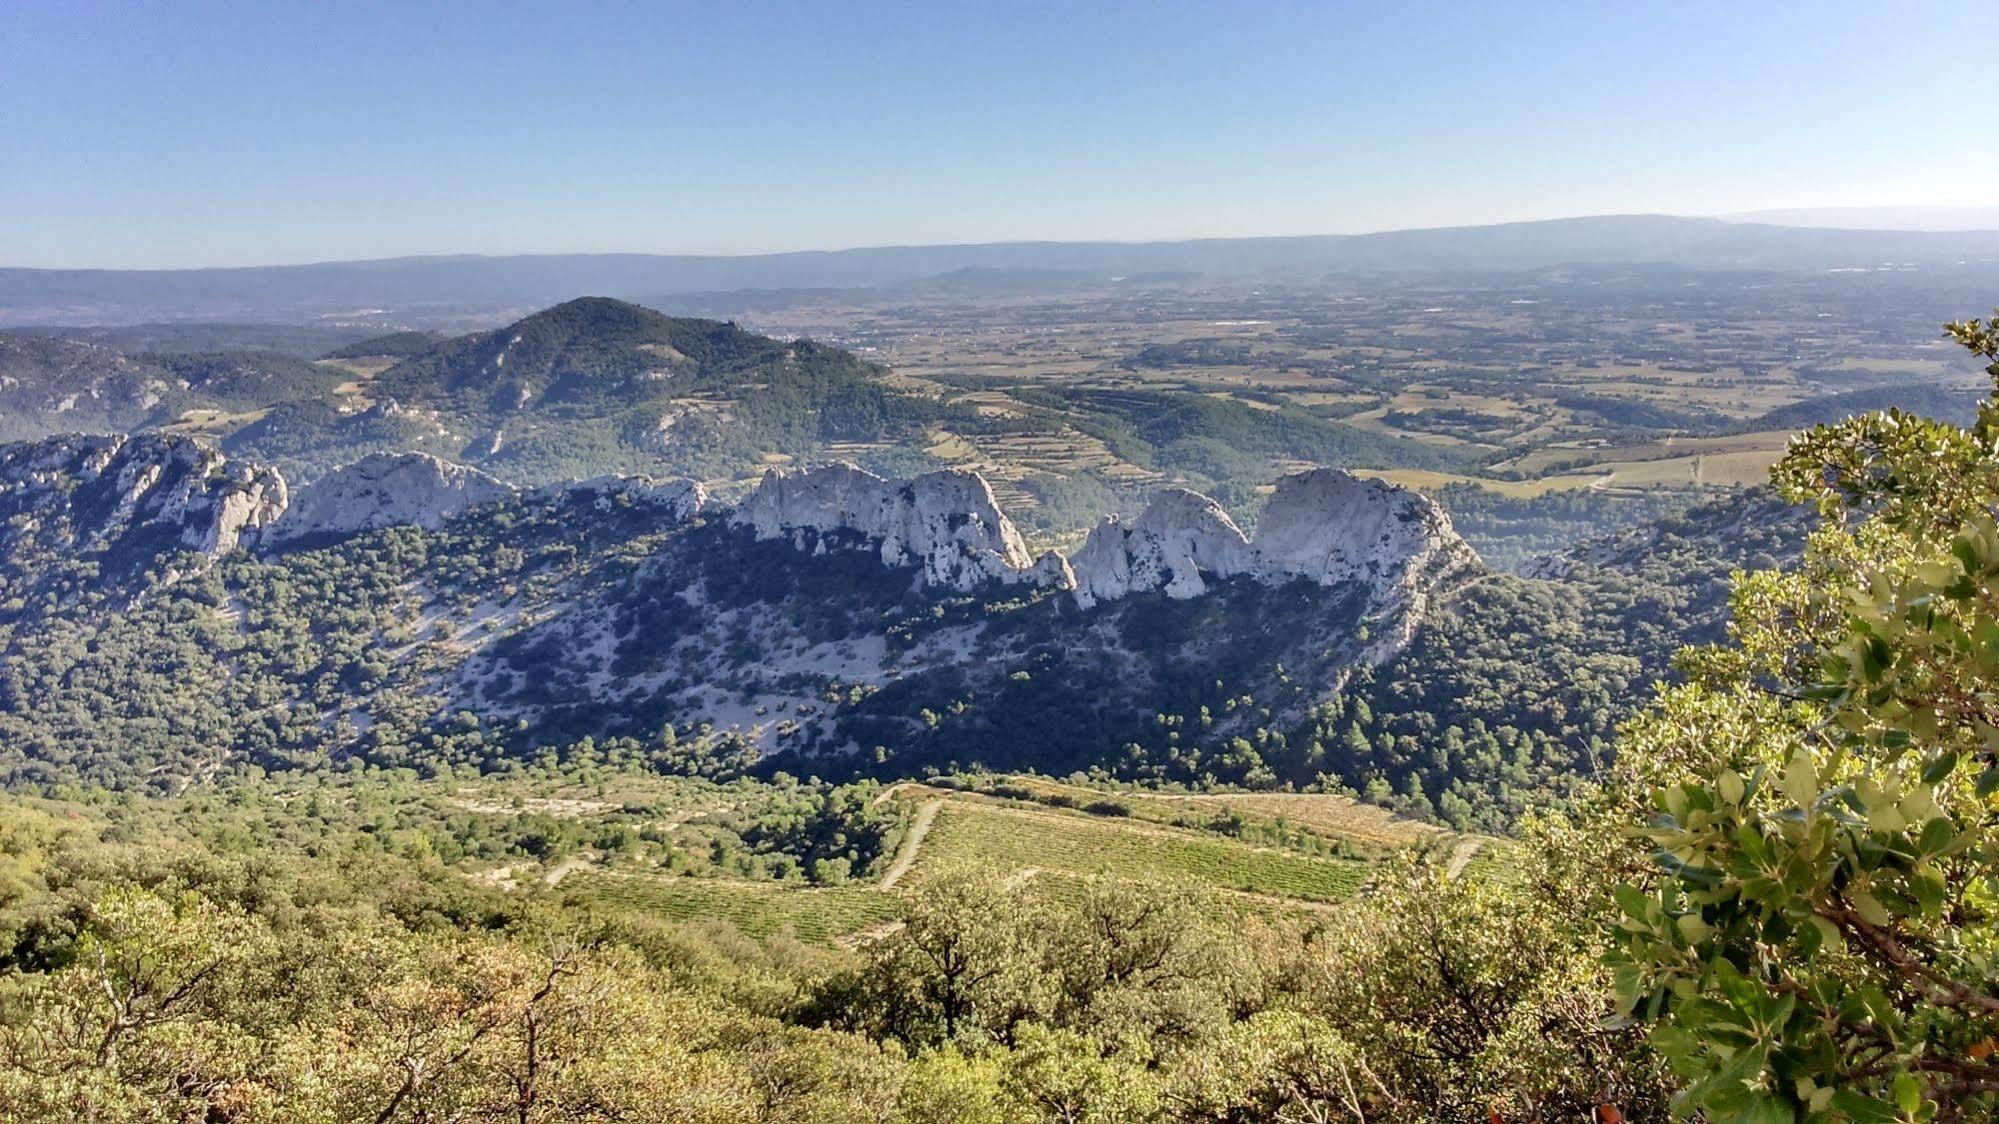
(178, 134)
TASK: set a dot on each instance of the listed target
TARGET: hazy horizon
(1892, 219)
(184, 136)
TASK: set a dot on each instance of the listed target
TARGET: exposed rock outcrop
(678, 500)
(385, 490)
(1179, 535)
(1331, 526)
(102, 490)
(944, 523)
(1050, 571)
(1325, 526)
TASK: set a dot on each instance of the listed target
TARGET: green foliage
(311, 969)
(597, 385)
(60, 386)
(1819, 941)
(851, 828)
(400, 345)
(1200, 433)
(1957, 406)
(1431, 999)
(756, 909)
(240, 380)
(1509, 531)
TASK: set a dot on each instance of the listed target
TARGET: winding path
(1462, 856)
(905, 857)
(564, 868)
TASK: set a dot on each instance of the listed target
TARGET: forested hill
(1514, 688)
(584, 388)
(1754, 529)
(565, 351)
(594, 386)
(50, 385)
(537, 621)
(396, 345)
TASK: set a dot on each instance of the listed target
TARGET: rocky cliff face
(419, 490)
(1324, 526)
(677, 500)
(89, 493)
(944, 523)
(80, 493)
(386, 490)
(1330, 526)
(1179, 536)
(805, 646)
(643, 610)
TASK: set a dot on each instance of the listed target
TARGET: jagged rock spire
(1323, 525)
(112, 484)
(945, 523)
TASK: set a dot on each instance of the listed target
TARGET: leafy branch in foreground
(1822, 941)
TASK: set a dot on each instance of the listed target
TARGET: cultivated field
(1567, 380)
(1294, 853)
(970, 834)
(756, 909)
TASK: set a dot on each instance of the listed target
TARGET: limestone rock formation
(1178, 536)
(1330, 526)
(104, 489)
(946, 523)
(386, 490)
(242, 500)
(1051, 571)
(833, 498)
(1324, 525)
(677, 500)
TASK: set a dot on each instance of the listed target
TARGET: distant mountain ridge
(1938, 218)
(407, 286)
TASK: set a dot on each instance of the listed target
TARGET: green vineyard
(998, 838)
(816, 915)
(1057, 850)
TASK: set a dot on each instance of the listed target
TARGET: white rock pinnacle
(945, 523)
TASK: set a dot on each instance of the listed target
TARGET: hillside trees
(1433, 998)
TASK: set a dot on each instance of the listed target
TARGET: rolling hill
(594, 386)
(52, 385)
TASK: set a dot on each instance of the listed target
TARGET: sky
(161, 134)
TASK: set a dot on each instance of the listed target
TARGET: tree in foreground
(1820, 940)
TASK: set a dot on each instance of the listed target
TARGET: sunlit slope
(1262, 852)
